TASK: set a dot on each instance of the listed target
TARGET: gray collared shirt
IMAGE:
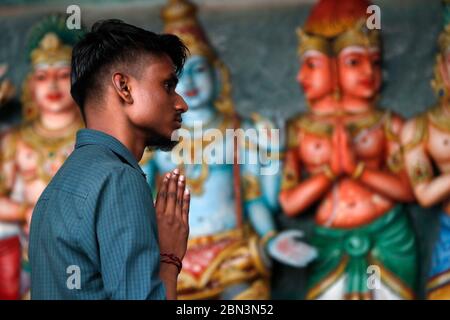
(93, 233)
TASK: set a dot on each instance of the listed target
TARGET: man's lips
(178, 121)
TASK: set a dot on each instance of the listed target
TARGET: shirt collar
(95, 137)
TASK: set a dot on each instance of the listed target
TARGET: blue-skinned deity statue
(232, 171)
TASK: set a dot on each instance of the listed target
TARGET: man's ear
(122, 87)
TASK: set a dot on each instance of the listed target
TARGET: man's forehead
(159, 65)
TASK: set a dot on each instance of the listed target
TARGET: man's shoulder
(88, 169)
(95, 159)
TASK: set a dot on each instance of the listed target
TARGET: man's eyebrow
(172, 79)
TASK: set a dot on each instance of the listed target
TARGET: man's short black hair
(113, 42)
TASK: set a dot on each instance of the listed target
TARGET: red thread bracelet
(171, 259)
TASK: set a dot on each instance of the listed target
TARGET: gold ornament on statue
(51, 50)
(312, 42)
(438, 84)
(358, 35)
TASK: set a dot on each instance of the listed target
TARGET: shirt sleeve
(128, 238)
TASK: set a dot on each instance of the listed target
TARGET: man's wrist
(171, 259)
(168, 273)
(168, 269)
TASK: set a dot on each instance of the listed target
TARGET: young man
(95, 233)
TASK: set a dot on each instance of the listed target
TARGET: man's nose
(180, 104)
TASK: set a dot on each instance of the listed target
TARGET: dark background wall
(257, 40)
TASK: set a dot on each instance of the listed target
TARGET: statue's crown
(180, 19)
(336, 24)
(50, 40)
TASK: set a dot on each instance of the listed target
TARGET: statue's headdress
(336, 24)
(180, 19)
(49, 42)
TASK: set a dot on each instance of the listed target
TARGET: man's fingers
(161, 198)
(180, 193)
(172, 192)
(186, 204)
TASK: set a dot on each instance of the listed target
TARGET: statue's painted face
(316, 75)
(197, 82)
(359, 71)
(50, 85)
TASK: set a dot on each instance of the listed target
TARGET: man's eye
(169, 86)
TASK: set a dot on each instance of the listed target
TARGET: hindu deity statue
(426, 144)
(232, 231)
(32, 152)
(344, 161)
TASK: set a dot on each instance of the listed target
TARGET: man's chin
(158, 142)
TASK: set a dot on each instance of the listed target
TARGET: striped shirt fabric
(93, 232)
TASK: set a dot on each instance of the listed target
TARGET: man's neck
(120, 130)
